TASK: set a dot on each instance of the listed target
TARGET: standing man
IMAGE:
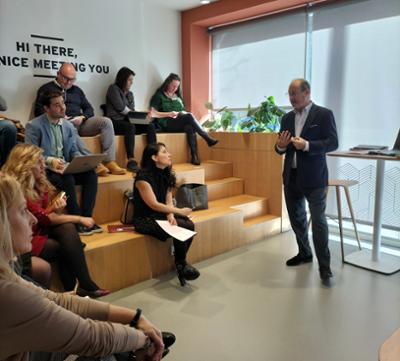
(57, 137)
(80, 113)
(307, 133)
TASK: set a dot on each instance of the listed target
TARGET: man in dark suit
(307, 133)
(57, 137)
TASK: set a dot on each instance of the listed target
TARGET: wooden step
(223, 188)
(176, 144)
(251, 206)
(110, 196)
(188, 173)
(260, 219)
(215, 169)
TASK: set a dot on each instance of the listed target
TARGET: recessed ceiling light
(204, 2)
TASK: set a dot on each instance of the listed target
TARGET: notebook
(139, 118)
(83, 163)
(394, 152)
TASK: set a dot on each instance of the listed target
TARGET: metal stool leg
(347, 193)
(339, 208)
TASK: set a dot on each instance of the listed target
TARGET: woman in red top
(54, 236)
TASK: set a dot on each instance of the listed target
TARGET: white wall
(131, 33)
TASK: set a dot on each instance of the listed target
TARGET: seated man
(80, 113)
(8, 134)
(57, 137)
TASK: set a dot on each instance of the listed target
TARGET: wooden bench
(236, 216)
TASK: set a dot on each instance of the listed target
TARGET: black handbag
(192, 195)
(127, 213)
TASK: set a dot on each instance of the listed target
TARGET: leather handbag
(127, 213)
(192, 195)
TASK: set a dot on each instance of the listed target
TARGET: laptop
(394, 152)
(83, 163)
(139, 118)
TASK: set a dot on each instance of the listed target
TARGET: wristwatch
(135, 320)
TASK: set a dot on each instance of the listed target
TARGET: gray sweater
(119, 103)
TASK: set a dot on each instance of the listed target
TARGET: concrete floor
(247, 305)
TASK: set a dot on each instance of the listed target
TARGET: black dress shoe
(296, 260)
(132, 166)
(92, 294)
(168, 338)
(195, 160)
(325, 274)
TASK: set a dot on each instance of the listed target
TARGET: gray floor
(247, 305)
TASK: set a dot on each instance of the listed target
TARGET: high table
(373, 260)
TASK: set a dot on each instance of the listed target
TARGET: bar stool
(345, 184)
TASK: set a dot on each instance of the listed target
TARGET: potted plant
(265, 118)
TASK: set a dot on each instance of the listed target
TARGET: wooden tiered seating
(238, 213)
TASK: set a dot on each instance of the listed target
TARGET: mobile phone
(61, 195)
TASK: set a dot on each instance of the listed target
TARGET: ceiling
(179, 5)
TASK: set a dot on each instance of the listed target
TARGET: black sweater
(74, 97)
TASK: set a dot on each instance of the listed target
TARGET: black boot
(186, 272)
(192, 141)
(210, 141)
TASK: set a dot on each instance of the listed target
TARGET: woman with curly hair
(57, 324)
(54, 235)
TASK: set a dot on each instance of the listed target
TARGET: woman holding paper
(169, 110)
(119, 102)
(153, 201)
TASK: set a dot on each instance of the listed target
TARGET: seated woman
(119, 102)
(35, 319)
(54, 235)
(167, 105)
(153, 201)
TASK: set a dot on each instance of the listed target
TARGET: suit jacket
(38, 132)
(320, 131)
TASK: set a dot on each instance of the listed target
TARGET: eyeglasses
(67, 79)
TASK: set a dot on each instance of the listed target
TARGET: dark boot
(192, 141)
(210, 141)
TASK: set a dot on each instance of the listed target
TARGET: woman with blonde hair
(33, 319)
(54, 236)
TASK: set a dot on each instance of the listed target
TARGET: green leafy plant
(264, 118)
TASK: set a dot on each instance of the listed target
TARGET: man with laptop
(79, 112)
(57, 137)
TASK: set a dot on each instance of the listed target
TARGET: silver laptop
(139, 118)
(83, 163)
(395, 152)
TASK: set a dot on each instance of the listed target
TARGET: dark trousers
(128, 130)
(188, 124)
(295, 197)
(148, 225)
(64, 246)
(8, 138)
(67, 182)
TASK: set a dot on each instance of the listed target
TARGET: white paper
(181, 234)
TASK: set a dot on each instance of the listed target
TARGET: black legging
(128, 130)
(184, 123)
(64, 246)
(148, 225)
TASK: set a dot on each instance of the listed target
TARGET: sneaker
(101, 170)
(114, 168)
(132, 166)
(97, 229)
(84, 231)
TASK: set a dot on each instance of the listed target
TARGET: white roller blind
(257, 59)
